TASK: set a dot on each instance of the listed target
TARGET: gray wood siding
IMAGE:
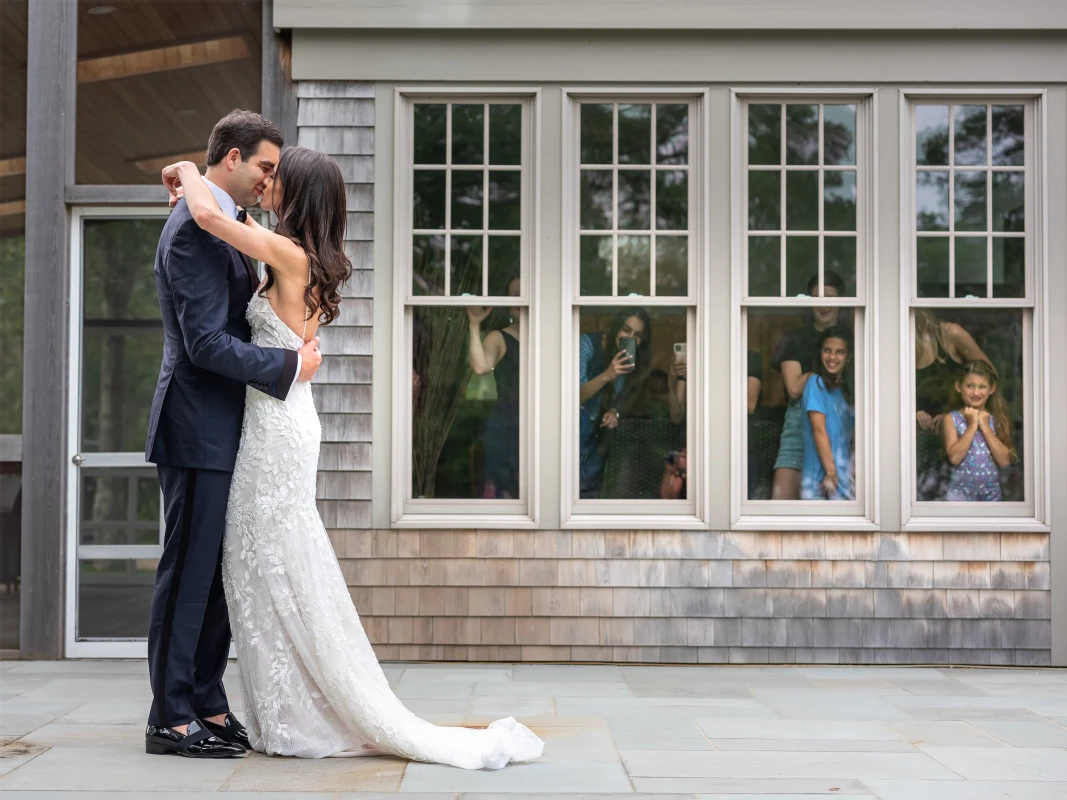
(337, 118)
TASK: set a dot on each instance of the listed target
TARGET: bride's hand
(173, 182)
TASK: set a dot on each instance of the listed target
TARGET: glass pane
(802, 134)
(466, 265)
(505, 264)
(1009, 201)
(931, 255)
(596, 134)
(839, 264)
(672, 134)
(931, 200)
(970, 133)
(839, 191)
(595, 190)
(632, 429)
(801, 266)
(800, 364)
(118, 506)
(931, 135)
(122, 340)
(139, 110)
(465, 427)
(982, 473)
(505, 134)
(428, 265)
(764, 266)
(802, 201)
(839, 134)
(467, 189)
(635, 134)
(970, 200)
(672, 265)
(765, 134)
(505, 207)
(971, 273)
(635, 266)
(1009, 267)
(468, 134)
(1009, 149)
(430, 133)
(634, 199)
(672, 200)
(428, 211)
(764, 200)
(114, 597)
(595, 257)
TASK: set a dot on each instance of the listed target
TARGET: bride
(312, 685)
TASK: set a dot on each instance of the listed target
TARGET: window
(633, 258)
(802, 261)
(465, 248)
(971, 217)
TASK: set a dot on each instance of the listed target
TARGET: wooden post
(279, 92)
(52, 72)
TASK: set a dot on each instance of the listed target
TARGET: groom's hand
(310, 360)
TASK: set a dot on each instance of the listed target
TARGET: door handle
(78, 460)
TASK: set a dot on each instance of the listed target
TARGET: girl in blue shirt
(828, 437)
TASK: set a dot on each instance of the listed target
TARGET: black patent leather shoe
(231, 731)
(199, 742)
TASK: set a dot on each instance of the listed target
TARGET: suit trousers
(189, 634)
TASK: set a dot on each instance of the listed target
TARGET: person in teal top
(828, 472)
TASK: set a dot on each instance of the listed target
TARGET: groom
(204, 286)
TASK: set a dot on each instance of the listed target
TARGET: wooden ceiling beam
(12, 207)
(12, 166)
(152, 166)
(163, 59)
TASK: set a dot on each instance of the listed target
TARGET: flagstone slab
(712, 787)
(264, 773)
(1001, 764)
(1026, 734)
(792, 729)
(966, 790)
(951, 733)
(664, 764)
(536, 778)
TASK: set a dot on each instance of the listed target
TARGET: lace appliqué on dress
(311, 682)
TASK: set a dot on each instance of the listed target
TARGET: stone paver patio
(74, 730)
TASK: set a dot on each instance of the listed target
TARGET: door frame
(117, 648)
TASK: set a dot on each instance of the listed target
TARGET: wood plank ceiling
(155, 76)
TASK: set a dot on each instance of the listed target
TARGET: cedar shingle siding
(648, 596)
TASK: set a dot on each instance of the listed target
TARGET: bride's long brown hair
(311, 214)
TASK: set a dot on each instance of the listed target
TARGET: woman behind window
(796, 357)
(606, 372)
(498, 353)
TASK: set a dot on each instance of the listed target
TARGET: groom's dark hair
(244, 130)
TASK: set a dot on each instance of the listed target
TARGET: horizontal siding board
(337, 141)
(334, 89)
(345, 369)
(339, 456)
(353, 341)
(342, 398)
(355, 112)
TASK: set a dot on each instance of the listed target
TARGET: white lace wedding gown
(311, 683)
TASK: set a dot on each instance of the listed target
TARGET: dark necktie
(242, 215)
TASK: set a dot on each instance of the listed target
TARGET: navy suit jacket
(204, 287)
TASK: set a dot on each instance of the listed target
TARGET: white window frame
(689, 514)
(804, 515)
(407, 512)
(1034, 514)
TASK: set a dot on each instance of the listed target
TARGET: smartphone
(679, 352)
(629, 344)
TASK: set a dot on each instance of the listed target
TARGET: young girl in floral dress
(978, 436)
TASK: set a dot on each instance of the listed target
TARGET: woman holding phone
(603, 382)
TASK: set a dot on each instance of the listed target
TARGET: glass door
(115, 530)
